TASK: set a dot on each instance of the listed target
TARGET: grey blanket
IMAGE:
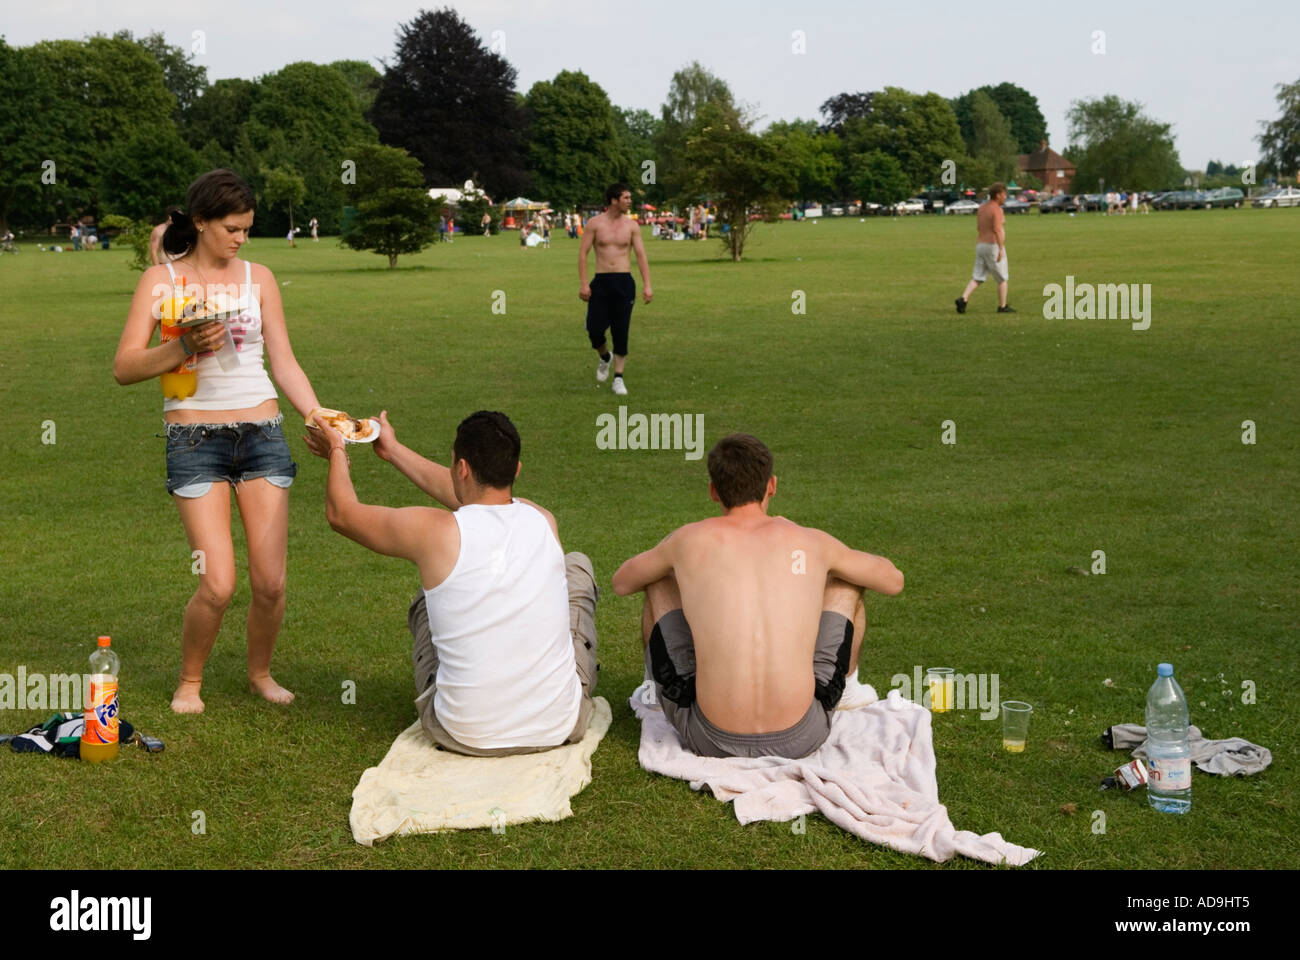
(1232, 756)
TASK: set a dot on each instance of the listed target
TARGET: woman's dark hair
(212, 196)
(489, 442)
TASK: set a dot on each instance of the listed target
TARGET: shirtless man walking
(991, 249)
(612, 291)
(752, 624)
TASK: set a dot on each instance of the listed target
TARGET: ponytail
(181, 235)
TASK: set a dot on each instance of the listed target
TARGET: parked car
(1175, 200)
(1279, 197)
(837, 211)
(1015, 205)
(910, 205)
(1061, 203)
(962, 206)
(1224, 197)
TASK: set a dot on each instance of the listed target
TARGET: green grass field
(1072, 436)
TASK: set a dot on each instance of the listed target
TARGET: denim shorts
(200, 454)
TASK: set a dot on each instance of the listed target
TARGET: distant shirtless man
(991, 249)
(612, 291)
(752, 624)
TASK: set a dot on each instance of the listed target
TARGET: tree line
(119, 124)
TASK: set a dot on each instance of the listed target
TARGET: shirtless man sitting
(752, 623)
(612, 291)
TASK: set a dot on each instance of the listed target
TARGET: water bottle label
(101, 713)
(1169, 774)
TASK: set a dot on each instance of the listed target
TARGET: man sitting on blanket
(752, 623)
(503, 625)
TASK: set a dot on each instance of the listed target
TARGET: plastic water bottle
(1169, 758)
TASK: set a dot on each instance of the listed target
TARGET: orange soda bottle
(183, 381)
(99, 737)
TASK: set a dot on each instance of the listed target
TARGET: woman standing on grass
(228, 434)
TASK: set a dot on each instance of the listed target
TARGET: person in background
(156, 253)
(990, 249)
(314, 226)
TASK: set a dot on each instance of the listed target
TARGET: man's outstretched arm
(404, 532)
(644, 569)
(863, 569)
(433, 478)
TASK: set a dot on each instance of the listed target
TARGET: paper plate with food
(217, 307)
(352, 429)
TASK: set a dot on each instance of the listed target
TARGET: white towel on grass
(418, 788)
(874, 776)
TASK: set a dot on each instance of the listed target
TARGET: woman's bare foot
(269, 689)
(186, 698)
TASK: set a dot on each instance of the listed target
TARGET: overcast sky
(1209, 69)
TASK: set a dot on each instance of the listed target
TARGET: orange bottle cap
(105, 641)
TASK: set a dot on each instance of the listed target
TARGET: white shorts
(986, 262)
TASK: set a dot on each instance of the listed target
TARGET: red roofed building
(1052, 169)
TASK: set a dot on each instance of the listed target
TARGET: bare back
(988, 222)
(612, 238)
(752, 594)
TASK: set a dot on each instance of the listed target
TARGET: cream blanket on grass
(874, 776)
(418, 788)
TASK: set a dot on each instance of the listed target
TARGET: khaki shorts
(582, 627)
(986, 262)
(670, 658)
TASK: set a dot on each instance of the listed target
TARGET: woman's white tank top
(248, 384)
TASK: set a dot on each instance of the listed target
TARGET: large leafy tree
(689, 90)
(1018, 105)
(992, 140)
(742, 172)
(876, 177)
(218, 115)
(918, 130)
(843, 107)
(362, 79)
(450, 102)
(38, 123)
(574, 147)
(301, 120)
(816, 156)
(283, 186)
(1280, 139)
(637, 131)
(146, 173)
(181, 75)
(1114, 140)
(104, 88)
(394, 214)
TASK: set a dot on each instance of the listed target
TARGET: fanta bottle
(183, 381)
(99, 738)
